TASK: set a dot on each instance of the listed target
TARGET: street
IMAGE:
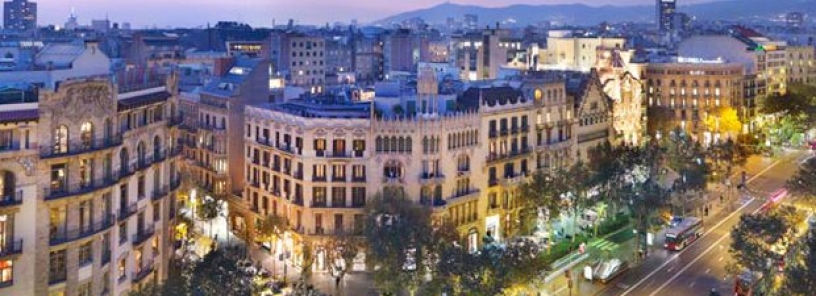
(701, 266)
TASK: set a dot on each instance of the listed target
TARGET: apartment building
(801, 66)
(89, 175)
(317, 161)
(693, 90)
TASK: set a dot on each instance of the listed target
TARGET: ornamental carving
(28, 164)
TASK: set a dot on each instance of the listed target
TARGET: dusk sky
(193, 13)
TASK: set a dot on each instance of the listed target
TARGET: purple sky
(191, 13)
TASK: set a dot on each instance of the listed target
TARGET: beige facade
(319, 172)
(307, 62)
(88, 179)
(801, 65)
(574, 53)
(693, 91)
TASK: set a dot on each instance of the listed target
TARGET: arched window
(157, 147)
(438, 195)
(124, 158)
(61, 139)
(401, 144)
(108, 129)
(141, 154)
(386, 145)
(86, 135)
(463, 163)
(7, 185)
(394, 143)
(378, 143)
(408, 145)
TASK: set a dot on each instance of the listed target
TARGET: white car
(607, 270)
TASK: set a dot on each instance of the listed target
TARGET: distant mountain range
(580, 14)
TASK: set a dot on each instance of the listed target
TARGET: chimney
(222, 65)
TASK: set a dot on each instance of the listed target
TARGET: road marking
(721, 259)
(687, 266)
(708, 270)
(692, 285)
(739, 210)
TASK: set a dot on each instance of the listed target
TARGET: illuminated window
(6, 272)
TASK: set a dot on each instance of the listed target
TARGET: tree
(397, 232)
(753, 237)
(723, 120)
(218, 274)
(542, 193)
(795, 111)
(800, 275)
(208, 210)
(661, 120)
(272, 228)
(341, 250)
(803, 183)
(494, 270)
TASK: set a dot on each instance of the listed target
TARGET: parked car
(607, 270)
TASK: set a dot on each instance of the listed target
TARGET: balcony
(174, 120)
(428, 178)
(212, 127)
(288, 149)
(358, 179)
(175, 151)
(339, 155)
(79, 147)
(144, 271)
(69, 235)
(510, 155)
(319, 179)
(143, 235)
(127, 211)
(106, 257)
(13, 199)
(12, 146)
(514, 179)
(338, 178)
(492, 182)
(435, 203)
(393, 180)
(62, 191)
(298, 175)
(465, 195)
(175, 182)
(158, 194)
(12, 248)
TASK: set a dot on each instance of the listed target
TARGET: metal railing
(142, 236)
(69, 235)
(127, 211)
(12, 199)
(78, 147)
(12, 247)
(146, 269)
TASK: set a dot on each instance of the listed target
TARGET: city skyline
(260, 13)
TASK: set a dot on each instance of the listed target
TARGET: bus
(683, 233)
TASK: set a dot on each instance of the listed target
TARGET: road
(701, 266)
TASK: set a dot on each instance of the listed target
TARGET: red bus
(688, 230)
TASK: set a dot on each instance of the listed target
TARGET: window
(358, 172)
(320, 147)
(86, 135)
(59, 178)
(140, 187)
(121, 270)
(359, 147)
(122, 233)
(338, 197)
(85, 215)
(156, 211)
(339, 172)
(85, 254)
(7, 185)
(320, 172)
(6, 272)
(6, 140)
(56, 268)
(84, 289)
(61, 139)
(358, 196)
(319, 195)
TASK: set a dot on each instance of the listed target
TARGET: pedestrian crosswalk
(604, 245)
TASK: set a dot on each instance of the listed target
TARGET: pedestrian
(721, 199)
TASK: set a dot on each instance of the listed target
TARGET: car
(606, 270)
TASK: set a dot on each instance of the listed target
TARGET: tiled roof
(60, 55)
(142, 100)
